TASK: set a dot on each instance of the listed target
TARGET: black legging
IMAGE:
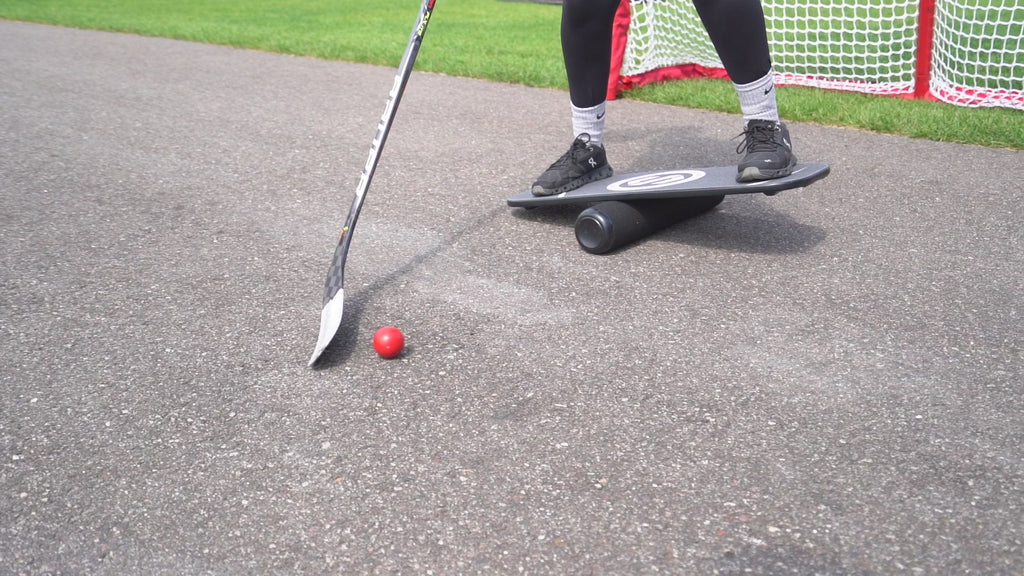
(736, 28)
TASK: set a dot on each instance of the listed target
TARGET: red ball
(388, 341)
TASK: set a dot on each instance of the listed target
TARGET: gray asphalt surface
(823, 382)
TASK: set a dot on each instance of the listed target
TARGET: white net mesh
(665, 34)
(846, 44)
(860, 45)
(978, 54)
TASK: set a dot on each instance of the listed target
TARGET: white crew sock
(757, 99)
(589, 121)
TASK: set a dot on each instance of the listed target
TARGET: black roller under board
(612, 224)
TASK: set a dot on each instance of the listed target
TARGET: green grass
(514, 42)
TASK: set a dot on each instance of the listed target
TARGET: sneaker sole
(753, 173)
(599, 174)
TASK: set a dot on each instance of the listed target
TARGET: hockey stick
(334, 292)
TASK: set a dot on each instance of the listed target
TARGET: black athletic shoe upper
(583, 163)
(768, 151)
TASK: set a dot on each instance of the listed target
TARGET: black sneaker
(769, 152)
(584, 162)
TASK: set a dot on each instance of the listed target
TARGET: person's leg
(587, 52)
(586, 31)
(737, 30)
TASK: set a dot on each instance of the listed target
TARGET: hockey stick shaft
(330, 317)
(386, 120)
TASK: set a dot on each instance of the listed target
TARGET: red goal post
(964, 52)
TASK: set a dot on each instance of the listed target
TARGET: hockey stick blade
(334, 293)
(330, 321)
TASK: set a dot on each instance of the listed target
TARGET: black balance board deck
(686, 183)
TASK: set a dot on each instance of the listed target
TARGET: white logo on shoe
(655, 180)
(592, 162)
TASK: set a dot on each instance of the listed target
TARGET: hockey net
(964, 52)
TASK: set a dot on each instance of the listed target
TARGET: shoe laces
(579, 147)
(758, 137)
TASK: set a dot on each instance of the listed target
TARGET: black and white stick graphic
(334, 292)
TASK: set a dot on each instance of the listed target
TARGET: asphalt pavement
(827, 381)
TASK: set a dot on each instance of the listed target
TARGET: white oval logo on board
(656, 180)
